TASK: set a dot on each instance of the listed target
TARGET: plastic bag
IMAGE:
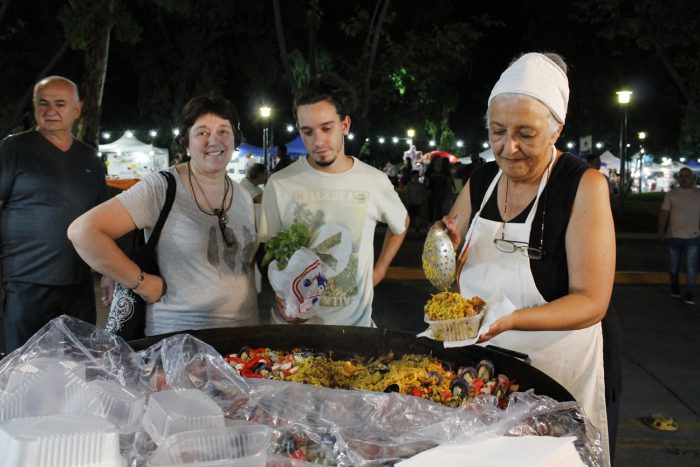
(300, 283)
(312, 424)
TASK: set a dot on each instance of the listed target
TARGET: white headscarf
(536, 76)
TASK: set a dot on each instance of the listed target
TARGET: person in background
(593, 160)
(283, 159)
(538, 228)
(439, 183)
(47, 179)
(679, 225)
(330, 187)
(207, 246)
(416, 195)
(476, 162)
(256, 176)
(405, 172)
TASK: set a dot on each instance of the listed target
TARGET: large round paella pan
(349, 341)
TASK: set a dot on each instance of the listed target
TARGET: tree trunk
(364, 124)
(660, 51)
(313, 18)
(21, 108)
(3, 9)
(94, 75)
(284, 55)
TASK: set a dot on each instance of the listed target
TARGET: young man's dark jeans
(676, 248)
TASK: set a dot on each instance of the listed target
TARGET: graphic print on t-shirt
(237, 259)
(347, 208)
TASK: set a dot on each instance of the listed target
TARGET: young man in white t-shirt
(681, 211)
(331, 190)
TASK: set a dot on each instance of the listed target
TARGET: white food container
(118, 405)
(60, 441)
(234, 446)
(43, 365)
(176, 410)
(50, 389)
(456, 329)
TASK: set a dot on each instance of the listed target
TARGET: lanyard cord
(215, 212)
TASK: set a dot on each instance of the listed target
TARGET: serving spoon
(439, 258)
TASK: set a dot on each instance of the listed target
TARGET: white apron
(573, 358)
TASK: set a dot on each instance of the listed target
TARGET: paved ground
(661, 344)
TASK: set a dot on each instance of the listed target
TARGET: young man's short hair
(329, 88)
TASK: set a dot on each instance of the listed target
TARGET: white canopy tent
(128, 157)
(486, 155)
(609, 161)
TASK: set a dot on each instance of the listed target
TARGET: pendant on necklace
(221, 214)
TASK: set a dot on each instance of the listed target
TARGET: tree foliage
(413, 64)
(403, 69)
(669, 32)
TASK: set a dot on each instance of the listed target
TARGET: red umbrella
(450, 157)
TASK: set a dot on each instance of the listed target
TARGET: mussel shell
(260, 367)
(392, 388)
(468, 373)
(244, 353)
(500, 391)
(485, 370)
(459, 387)
(437, 376)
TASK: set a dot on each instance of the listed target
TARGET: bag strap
(169, 199)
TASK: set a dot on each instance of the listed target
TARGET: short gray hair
(52, 79)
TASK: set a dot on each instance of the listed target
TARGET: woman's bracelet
(165, 287)
(139, 280)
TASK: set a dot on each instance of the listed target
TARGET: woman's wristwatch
(139, 280)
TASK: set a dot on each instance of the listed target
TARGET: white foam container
(177, 410)
(118, 405)
(234, 446)
(456, 329)
(60, 441)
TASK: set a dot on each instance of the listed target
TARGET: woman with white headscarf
(537, 225)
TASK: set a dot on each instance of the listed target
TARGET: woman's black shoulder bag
(127, 315)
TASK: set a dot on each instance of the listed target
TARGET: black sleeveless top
(550, 272)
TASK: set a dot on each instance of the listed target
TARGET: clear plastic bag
(309, 424)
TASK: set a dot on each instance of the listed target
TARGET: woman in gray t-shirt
(206, 249)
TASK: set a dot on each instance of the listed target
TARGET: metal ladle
(439, 258)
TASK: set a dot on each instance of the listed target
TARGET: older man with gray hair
(679, 224)
(47, 179)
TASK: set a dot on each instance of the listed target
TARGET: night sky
(598, 67)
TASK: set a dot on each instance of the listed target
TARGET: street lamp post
(642, 135)
(623, 98)
(265, 114)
